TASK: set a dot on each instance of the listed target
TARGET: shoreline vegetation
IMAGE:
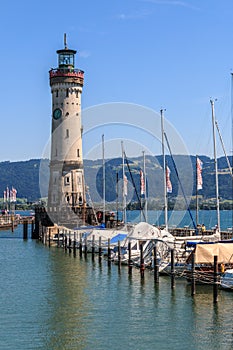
(174, 203)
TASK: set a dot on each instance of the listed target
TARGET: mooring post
(93, 248)
(25, 229)
(32, 228)
(215, 286)
(156, 264)
(74, 244)
(193, 284)
(70, 243)
(109, 253)
(49, 237)
(85, 247)
(80, 245)
(63, 238)
(142, 265)
(36, 232)
(130, 263)
(100, 249)
(12, 223)
(65, 246)
(44, 235)
(58, 238)
(172, 270)
(119, 253)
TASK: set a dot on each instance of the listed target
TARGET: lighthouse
(66, 194)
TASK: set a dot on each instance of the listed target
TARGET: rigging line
(92, 205)
(223, 147)
(138, 198)
(182, 189)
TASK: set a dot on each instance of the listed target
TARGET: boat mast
(103, 160)
(164, 170)
(123, 187)
(215, 163)
(144, 173)
(197, 204)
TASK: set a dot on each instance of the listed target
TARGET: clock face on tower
(57, 113)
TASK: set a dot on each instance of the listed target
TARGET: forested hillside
(32, 184)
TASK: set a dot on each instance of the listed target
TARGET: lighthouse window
(67, 133)
(67, 180)
(67, 92)
(66, 59)
(56, 93)
(78, 153)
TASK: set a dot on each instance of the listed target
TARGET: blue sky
(154, 53)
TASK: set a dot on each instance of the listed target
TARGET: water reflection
(212, 322)
(67, 303)
(52, 300)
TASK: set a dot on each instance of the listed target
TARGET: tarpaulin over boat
(204, 253)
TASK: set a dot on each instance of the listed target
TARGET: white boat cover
(145, 231)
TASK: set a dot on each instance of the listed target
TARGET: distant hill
(32, 184)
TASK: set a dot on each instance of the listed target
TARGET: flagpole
(164, 171)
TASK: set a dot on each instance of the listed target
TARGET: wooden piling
(32, 228)
(172, 270)
(109, 253)
(130, 263)
(74, 244)
(215, 285)
(142, 265)
(80, 245)
(65, 245)
(36, 231)
(93, 248)
(49, 237)
(70, 243)
(12, 223)
(156, 264)
(25, 229)
(119, 253)
(58, 238)
(193, 282)
(85, 247)
(100, 249)
(64, 239)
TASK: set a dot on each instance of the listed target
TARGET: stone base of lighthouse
(66, 197)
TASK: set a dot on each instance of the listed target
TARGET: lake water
(184, 218)
(52, 300)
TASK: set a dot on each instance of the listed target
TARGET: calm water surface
(52, 300)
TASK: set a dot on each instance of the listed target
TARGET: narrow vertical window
(78, 154)
(67, 92)
(67, 133)
(56, 93)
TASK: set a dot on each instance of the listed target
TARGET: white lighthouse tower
(66, 196)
